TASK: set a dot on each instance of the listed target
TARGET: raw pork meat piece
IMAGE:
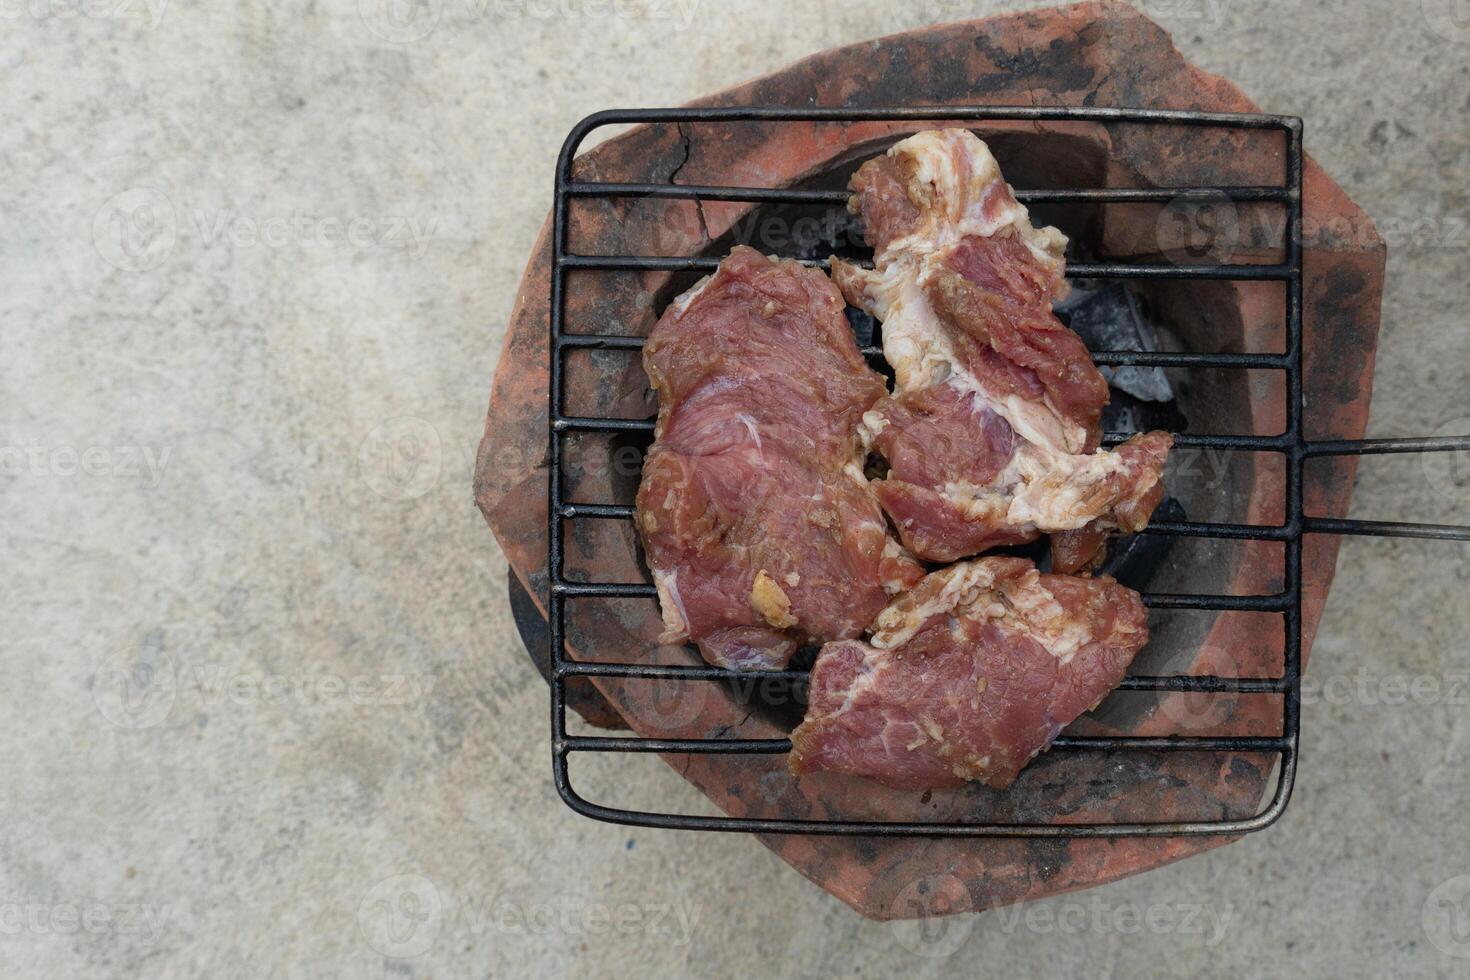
(991, 434)
(968, 676)
(757, 522)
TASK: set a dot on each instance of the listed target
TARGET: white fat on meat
(918, 348)
(961, 180)
(676, 620)
(1050, 478)
(1023, 606)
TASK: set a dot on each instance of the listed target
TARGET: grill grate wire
(1291, 444)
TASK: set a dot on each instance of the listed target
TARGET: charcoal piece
(1111, 318)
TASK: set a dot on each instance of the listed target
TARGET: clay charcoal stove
(1228, 352)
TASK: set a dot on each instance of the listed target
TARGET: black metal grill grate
(1291, 444)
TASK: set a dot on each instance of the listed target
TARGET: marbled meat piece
(991, 434)
(968, 676)
(757, 522)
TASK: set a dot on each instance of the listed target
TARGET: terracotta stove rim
(529, 303)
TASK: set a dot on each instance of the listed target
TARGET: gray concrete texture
(267, 714)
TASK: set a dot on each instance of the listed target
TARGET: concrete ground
(267, 714)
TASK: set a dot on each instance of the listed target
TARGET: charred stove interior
(1169, 364)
